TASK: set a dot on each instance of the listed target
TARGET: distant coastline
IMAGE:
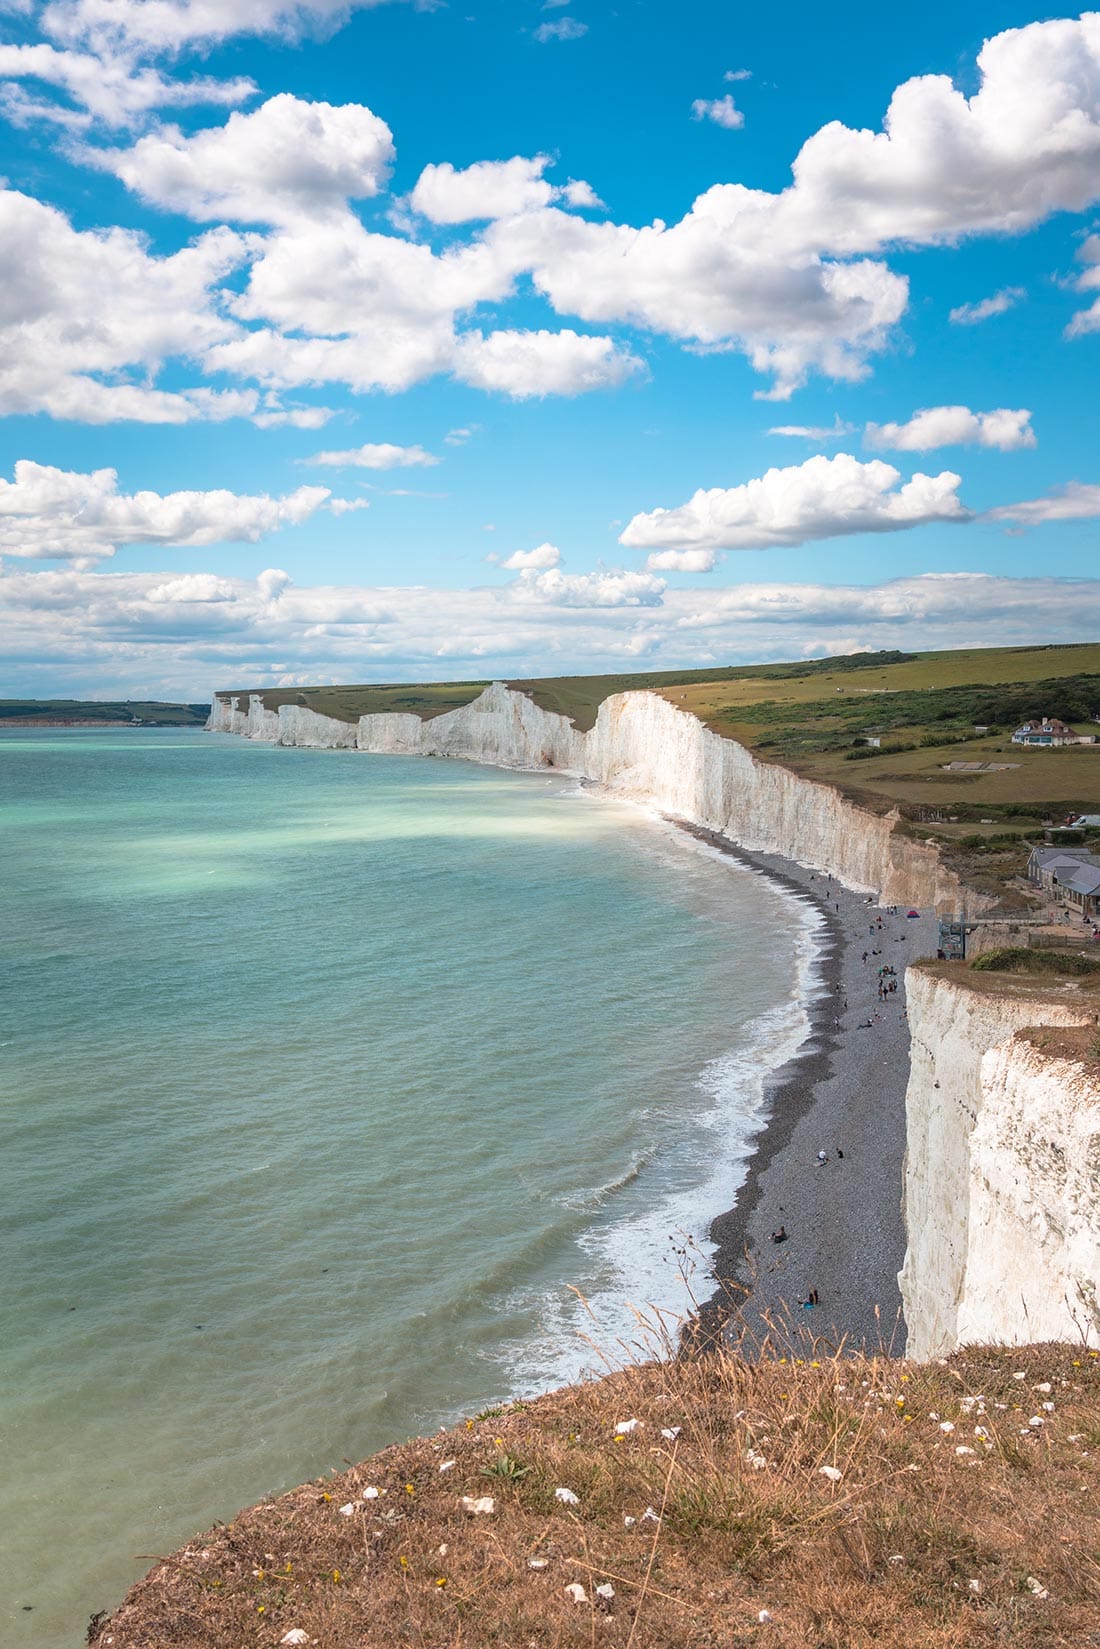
(104, 713)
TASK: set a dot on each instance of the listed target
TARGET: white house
(1048, 731)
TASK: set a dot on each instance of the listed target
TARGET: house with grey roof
(1069, 873)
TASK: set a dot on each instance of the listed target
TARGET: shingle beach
(843, 1094)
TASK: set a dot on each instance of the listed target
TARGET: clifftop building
(1048, 732)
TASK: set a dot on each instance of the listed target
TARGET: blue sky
(394, 341)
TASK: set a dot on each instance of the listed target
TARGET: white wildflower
(1020, 1374)
(764, 1617)
(370, 1494)
(295, 1635)
(1076, 1437)
(1044, 1385)
(831, 1473)
(964, 1449)
(898, 1557)
(348, 1510)
(444, 1549)
(629, 1522)
(650, 1516)
(1048, 1408)
(1036, 1420)
(446, 1466)
(538, 1562)
(947, 1425)
(1036, 1587)
(567, 1497)
(980, 1431)
(756, 1461)
(933, 1415)
(974, 1585)
(577, 1592)
(625, 1427)
(605, 1590)
(671, 1433)
(482, 1505)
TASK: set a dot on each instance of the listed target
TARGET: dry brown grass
(983, 1534)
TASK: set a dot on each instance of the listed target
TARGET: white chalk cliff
(1002, 1183)
(1002, 1174)
(644, 748)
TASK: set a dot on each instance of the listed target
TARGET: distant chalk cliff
(645, 748)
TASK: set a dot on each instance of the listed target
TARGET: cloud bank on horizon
(184, 242)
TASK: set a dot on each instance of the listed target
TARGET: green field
(119, 712)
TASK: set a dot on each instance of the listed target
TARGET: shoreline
(843, 1090)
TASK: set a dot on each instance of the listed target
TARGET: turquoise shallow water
(322, 1076)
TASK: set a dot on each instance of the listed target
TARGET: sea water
(325, 1079)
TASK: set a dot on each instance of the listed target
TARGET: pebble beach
(843, 1095)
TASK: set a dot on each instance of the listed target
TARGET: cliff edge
(1002, 1171)
(646, 749)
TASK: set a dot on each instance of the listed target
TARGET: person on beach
(822, 1158)
(780, 1235)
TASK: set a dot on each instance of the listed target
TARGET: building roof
(1085, 881)
(1054, 858)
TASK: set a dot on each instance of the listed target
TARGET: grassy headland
(685, 1504)
(96, 712)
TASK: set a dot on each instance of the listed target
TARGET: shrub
(1021, 959)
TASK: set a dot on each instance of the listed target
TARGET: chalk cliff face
(1002, 1180)
(1002, 1174)
(645, 748)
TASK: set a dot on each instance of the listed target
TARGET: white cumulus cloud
(108, 89)
(492, 189)
(613, 588)
(487, 189)
(54, 514)
(129, 26)
(376, 455)
(822, 498)
(288, 159)
(538, 559)
(720, 111)
(524, 364)
(932, 427)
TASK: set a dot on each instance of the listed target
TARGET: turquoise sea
(323, 1078)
